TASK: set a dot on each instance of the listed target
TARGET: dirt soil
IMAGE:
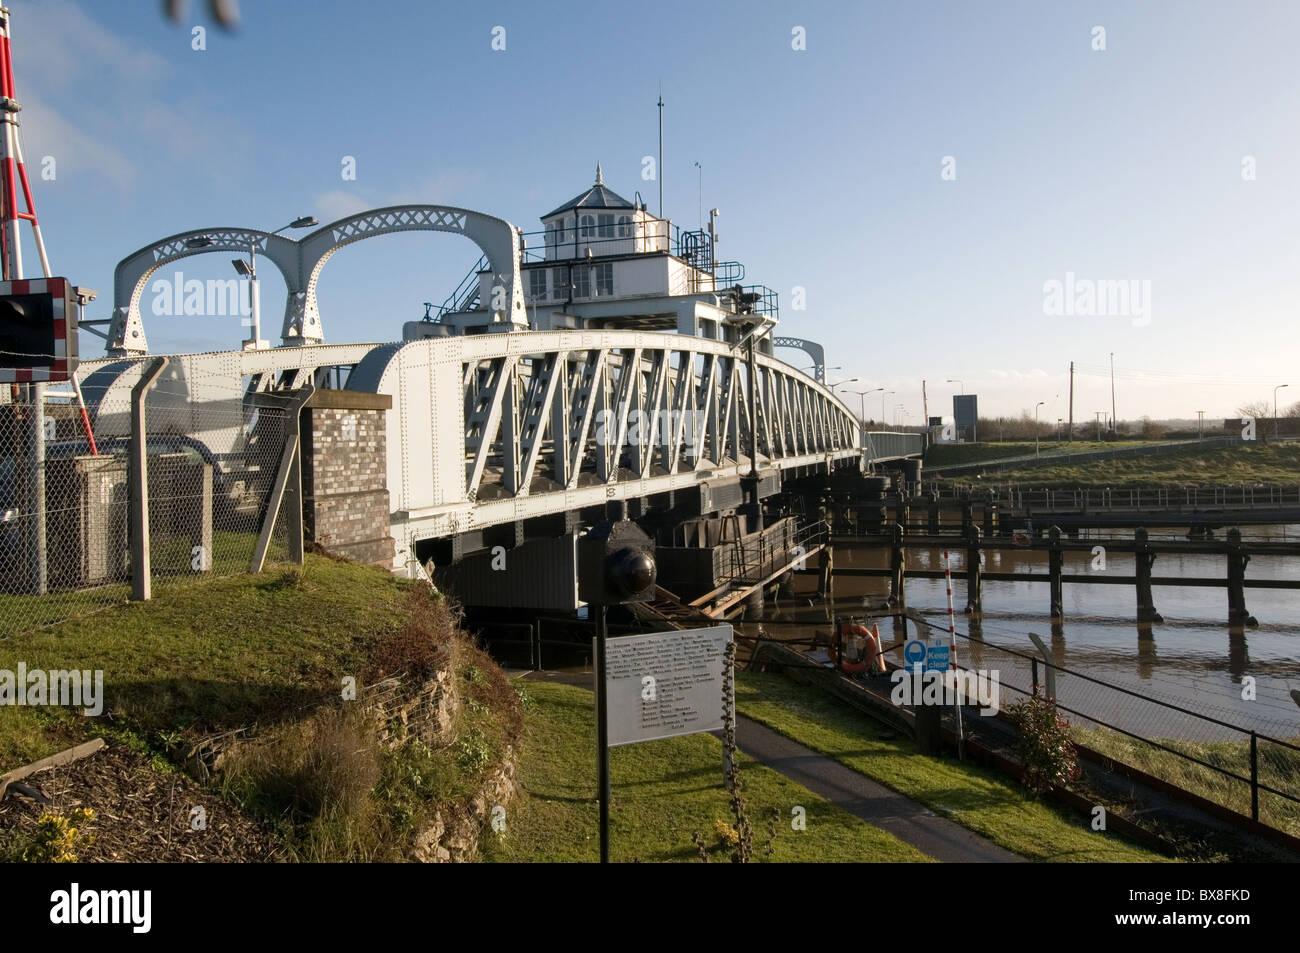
(141, 815)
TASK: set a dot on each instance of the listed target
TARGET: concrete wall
(345, 475)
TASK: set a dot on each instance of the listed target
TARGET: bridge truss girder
(502, 428)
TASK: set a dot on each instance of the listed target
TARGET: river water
(1191, 659)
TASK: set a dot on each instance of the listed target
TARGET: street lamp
(1275, 390)
(862, 413)
(248, 269)
(957, 380)
(1200, 423)
(848, 380)
(1036, 406)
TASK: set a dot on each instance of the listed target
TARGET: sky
(946, 183)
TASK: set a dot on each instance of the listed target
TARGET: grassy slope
(1273, 463)
(974, 797)
(663, 791)
(212, 654)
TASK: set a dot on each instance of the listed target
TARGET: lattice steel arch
(812, 349)
(300, 262)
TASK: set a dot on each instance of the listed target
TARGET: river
(1192, 659)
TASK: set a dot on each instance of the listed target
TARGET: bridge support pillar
(1055, 561)
(1146, 610)
(933, 513)
(826, 574)
(897, 567)
(974, 578)
(1237, 560)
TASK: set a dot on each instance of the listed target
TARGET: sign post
(653, 686)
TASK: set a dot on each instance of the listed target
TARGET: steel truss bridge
(500, 429)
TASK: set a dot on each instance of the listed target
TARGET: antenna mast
(659, 172)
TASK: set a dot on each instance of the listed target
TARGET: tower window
(559, 283)
(624, 226)
(581, 282)
(537, 284)
(605, 278)
(607, 226)
(588, 226)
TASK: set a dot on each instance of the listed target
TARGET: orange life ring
(854, 667)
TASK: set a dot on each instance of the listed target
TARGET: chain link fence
(213, 454)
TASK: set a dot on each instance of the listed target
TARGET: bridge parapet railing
(1122, 498)
(891, 445)
(751, 559)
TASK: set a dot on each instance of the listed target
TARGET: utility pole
(1112, 392)
(1099, 415)
(925, 405)
(1069, 434)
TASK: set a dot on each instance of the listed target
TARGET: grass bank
(1279, 768)
(979, 799)
(961, 454)
(1232, 466)
(209, 654)
(663, 792)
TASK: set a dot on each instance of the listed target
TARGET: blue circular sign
(914, 651)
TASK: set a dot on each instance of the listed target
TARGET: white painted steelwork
(301, 260)
(500, 428)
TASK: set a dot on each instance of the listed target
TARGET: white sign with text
(665, 684)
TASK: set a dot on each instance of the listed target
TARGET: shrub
(1043, 746)
(419, 649)
(55, 839)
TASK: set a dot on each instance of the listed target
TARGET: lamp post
(883, 394)
(248, 269)
(862, 411)
(958, 381)
(1200, 423)
(1036, 406)
(1275, 390)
